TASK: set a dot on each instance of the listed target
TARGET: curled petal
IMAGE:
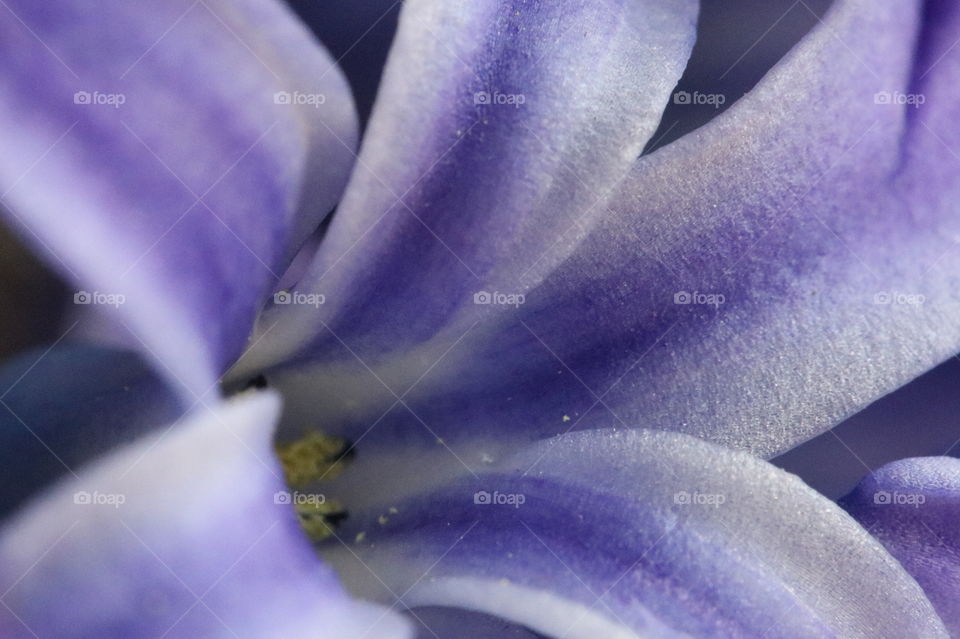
(629, 533)
(183, 534)
(912, 507)
(169, 158)
(766, 276)
(498, 126)
(752, 283)
(931, 146)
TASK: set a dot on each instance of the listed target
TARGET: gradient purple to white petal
(200, 138)
(178, 535)
(556, 341)
(631, 533)
(737, 302)
(912, 507)
(497, 127)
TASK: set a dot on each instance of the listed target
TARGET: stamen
(313, 457)
(259, 383)
(320, 519)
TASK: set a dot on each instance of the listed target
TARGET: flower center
(313, 458)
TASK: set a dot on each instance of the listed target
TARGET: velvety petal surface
(912, 507)
(498, 125)
(921, 419)
(182, 534)
(625, 533)
(169, 158)
(65, 404)
(932, 144)
(753, 283)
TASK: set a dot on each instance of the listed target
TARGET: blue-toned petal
(932, 143)
(497, 128)
(764, 277)
(623, 534)
(65, 404)
(181, 534)
(753, 283)
(912, 507)
(169, 158)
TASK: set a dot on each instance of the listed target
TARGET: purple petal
(497, 126)
(623, 534)
(752, 284)
(763, 278)
(178, 535)
(172, 153)
(912, 507)
(66, 404)
(932, 140)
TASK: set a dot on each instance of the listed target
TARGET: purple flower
(525, 378)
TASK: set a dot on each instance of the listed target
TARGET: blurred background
(739, 41)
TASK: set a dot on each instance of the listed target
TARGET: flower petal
(753, 283)
(629, 533)
(173, 157)
(781, 281)
(912, 507)
(932, 142)
(497, 126)
(358, 35)
(69, 403)
(177, 535)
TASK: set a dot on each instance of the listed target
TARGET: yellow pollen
(313, 457)
(319, 519)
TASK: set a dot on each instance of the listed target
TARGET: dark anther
(259, 382)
